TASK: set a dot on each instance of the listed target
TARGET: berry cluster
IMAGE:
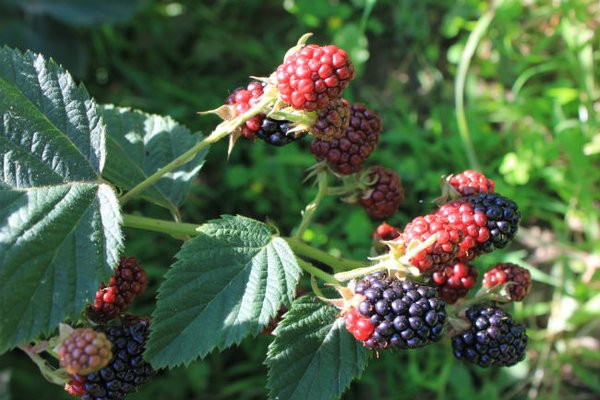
(517, 278)
(382, 198)
(127, 282)
(395, 313)
(84, 351)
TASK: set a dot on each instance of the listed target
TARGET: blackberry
(84, 351)
(241, 100)
(454, 281)
(502, 219)
(509, 272)
(493, 339)
(385, 232)
(128, 282)
(126, 370)
(463, 216)
(346, 155)
(314, 76)
(384, 196)
(471, 182)
(332, 121)
(404, 314)
(443, 251)
(276, 132)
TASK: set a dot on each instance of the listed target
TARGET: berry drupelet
(454, 281)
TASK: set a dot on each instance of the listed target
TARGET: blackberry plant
(71, 167)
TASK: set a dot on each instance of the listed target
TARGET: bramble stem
(309, 211)
(336, 263)
(175, 229)
(314, 271)
(222, 130)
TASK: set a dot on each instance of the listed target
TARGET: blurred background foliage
(528, 73)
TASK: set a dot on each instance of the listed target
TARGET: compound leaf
(227, 283)
(138, 144)
(313, 356)
(59, 224)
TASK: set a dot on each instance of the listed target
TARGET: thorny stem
(314, 271)
(336, 263)
(309, 211)
(222, 130)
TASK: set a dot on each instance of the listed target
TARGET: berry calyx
(443, 251)
(493, 339)
(241, 100)
(502, 219)
(404, 314)
(128, 282)
(84, 351)
(454, 281)
(314, 76)
(382, 198)
(471, 182)
(346, 154)
(518, 277)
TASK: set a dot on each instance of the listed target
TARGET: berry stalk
(309, 211)
(222, 130)
(175, 229)
(336, 263)
(314, 271)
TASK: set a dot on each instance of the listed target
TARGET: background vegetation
(527, 71)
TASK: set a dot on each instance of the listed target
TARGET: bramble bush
(70, 165)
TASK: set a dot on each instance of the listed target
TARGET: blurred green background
(528, 74)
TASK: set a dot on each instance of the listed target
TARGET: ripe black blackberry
(127, 370)
(405, 314)
(493, 339)
(277, 133)
(502, 219)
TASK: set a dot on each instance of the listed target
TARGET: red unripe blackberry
(502, 219)
(76, 385)
(386, 232)
(84, 351)
(242, 99)
(446, 247)
(127, 282)
(471, 182)
(519, 277)
(473, 224)
(404, 314)
(493, 339)
(313, 76)
(127, 369)
(332, 121)
(454, 281)
(384, 196)
(359, 326)
(347, 154)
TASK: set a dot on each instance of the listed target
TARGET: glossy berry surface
(382, 198)
(358, 325)
(404, 314)
(502, 219)
(241, 100)
(471, 182)
(346, 155)
(443, 251)
(519, 278)
(127, 369)
(314, 76)
(128, 282)
(493, 339)
(454, 281)
(84, 351)
(277, 133)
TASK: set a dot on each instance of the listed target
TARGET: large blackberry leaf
(138, 144)
(228, 282)
(313, 356)
(59, 224)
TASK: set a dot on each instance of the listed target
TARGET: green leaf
(313, 356)
(82, 12)
(59, 224)
(139, 144)
(228, 282)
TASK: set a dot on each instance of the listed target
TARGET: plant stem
(461, 76)
(311, 269)
(175, 229)
(225, 128)
(309, 211)
(336, 263)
